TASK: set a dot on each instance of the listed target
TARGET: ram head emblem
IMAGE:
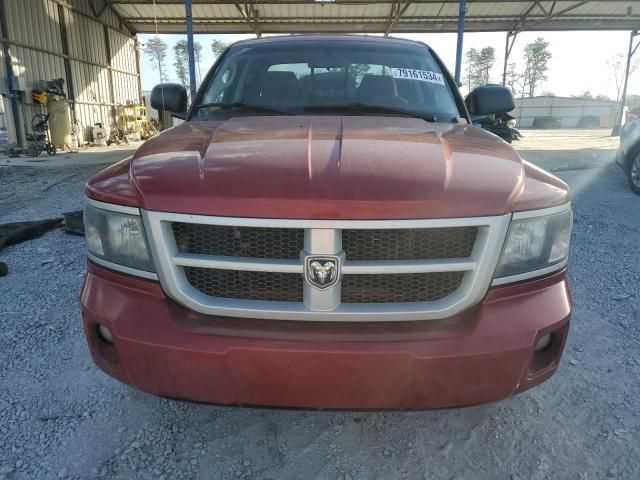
(322, 272)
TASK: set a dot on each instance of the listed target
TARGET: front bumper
(482, 355)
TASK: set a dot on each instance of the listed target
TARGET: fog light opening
(543, 343)
(105, 334)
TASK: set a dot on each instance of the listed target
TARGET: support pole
(511, 39)
(190, 49)
(112, 93)
(14, 96)
(461, 14)
(138, 70)
(617, 127)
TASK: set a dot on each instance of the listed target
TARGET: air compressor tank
(59, 121)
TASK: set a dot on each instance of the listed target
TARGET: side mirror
(490, 99)
(170, 97)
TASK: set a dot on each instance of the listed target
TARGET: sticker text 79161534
(421, 75)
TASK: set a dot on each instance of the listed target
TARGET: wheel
(633, 172)
(51, 150)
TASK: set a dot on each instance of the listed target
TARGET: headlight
(535, 243)
(117, 237)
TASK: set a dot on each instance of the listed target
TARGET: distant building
(564, 112)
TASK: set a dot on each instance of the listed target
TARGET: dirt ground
(60, 417)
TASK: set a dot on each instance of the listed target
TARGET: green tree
(536, 57)
(486, 61)
(156, 50)
(181, 62)
(472, 62)
(218, 46)
(479, 65)
(617, 65)
(513, 77)
(197, 51)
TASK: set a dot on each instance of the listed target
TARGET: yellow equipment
(133, 120)
(40, 97)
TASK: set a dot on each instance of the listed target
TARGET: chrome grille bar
(362, 267)
(237, 263)
(324, 237)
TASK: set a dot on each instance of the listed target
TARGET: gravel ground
(60, 417)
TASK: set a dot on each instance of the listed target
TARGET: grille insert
(220, 240)
(395, 283)
(409, 244)
(399, 288)
(247, 285)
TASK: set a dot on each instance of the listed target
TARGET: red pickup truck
(327, 229)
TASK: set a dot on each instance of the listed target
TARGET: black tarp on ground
(12, 233)
(73, 222)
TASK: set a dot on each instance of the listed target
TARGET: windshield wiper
(245, 107)
(368, 108)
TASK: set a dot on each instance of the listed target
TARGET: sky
(578, 62)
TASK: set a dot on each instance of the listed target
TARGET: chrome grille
(409, 244)
(233, 241)
(399, 288)
(389, 270)
(272, 286)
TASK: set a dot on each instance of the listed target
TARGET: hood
(329, 167)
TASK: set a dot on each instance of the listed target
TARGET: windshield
(329, 77)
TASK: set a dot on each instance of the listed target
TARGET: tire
(51, 150)
(633, 171)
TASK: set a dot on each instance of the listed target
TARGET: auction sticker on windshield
(422, 75)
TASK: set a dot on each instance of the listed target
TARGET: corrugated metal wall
(103, 74)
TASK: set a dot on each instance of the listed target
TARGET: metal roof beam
(398, 7)
(550, 15)
(354, 16)
(541, 7)
(523, 18)
(485, 24)
(250, 14)
(560, 13)
(301, 2)
(412, 18)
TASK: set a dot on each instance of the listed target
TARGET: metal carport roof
(376, 16)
